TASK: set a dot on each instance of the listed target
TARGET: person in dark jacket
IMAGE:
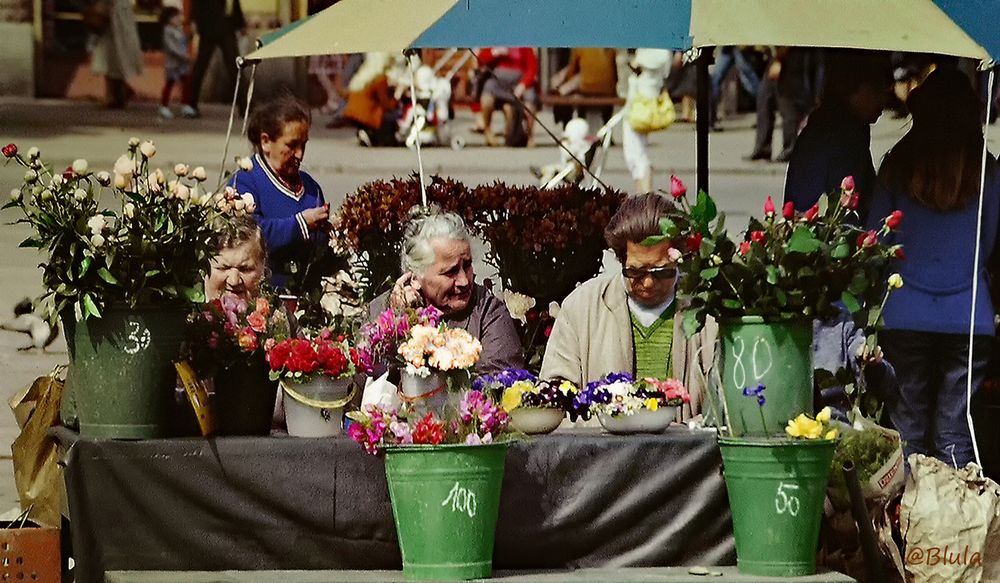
(218, 22)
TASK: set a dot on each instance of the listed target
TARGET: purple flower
(757, 392)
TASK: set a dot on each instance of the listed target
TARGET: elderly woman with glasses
(623, 320)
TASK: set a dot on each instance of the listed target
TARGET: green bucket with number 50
(776, 489)
(777, 355)
(445, 500)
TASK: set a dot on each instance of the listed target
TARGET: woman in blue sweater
(933, 176)
(293, 216)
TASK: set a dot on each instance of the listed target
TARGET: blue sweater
(279, 213)
(937, 272)
(834, 144)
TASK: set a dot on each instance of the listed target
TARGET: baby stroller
(592, 151)
(426, 116)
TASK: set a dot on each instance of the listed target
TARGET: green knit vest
(653, 346)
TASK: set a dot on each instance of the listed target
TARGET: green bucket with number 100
(445, 500)
(776, 489)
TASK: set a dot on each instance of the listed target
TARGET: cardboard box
(29, 553)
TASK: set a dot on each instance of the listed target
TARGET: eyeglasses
(639, 274)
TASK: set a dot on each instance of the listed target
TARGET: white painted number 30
(461, 500)
(785, 499)
(137, 339)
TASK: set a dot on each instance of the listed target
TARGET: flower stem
(762, 420)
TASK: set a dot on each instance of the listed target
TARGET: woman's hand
(317, 217)
(405, 293)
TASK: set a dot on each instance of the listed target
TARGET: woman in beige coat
(625, 320)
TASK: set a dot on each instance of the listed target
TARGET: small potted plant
(535, 406)
(624, 405)
(226, 341)
(317, 377)
(444, 474)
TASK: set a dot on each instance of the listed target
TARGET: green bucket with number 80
(776, 489)
(777, 355)
(445, 500)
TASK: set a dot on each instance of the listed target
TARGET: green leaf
(709, 273)
(668, 227)
(841, 251)
(90, 308)
(772, 274)
(85, 266)
(731, 304)
(803, 241)
(104, 274)
(153, 272)
(781, 296)
(654, 240)
(34, 243)
(850, 302)
(194, 294)
(824, 204)
(691, 323)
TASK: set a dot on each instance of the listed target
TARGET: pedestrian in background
(176, 62)
(789, 88)
(117, 53)
(217, 22)
(650, 68)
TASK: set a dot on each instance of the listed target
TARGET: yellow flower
(895, 281)
(523, 386)
(832, 434)
(804, 427)
(567, 388)
(652, 404)
(824, 415)
(511, 398)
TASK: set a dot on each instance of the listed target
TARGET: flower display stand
(776, 489)
(445, 502)
(777, 355)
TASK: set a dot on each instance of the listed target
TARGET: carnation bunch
(438, 348)
(301, 359)
(230, 331)
(477, 420)
(619, 394)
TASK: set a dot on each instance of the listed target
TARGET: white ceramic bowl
(644, 421)
(536, 420)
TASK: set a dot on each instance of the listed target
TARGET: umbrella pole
(975, 269)
(232, 117)
(417, 124)
(704, 107)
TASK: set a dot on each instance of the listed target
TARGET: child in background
(176, 63)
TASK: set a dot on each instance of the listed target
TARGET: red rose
(893, 220)
(768, 207)
(811, 213)
(867, 239)
(68, 173)
(10, 150)
(788, 211)
(898, 253)
(744, 247)
(694, 242)
(757, 236)
(853, 204)
(847, 184)
(277, 357)
(677, 188)
(428, 431)
(548, 331)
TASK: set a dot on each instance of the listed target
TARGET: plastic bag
(37, 474)
(950, 522)
(647, 115)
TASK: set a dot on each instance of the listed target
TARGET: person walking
(788, 88)
(176, 62)
(933, 176)
(217, 22)
(117, 54)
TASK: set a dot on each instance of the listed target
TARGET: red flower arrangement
(299, 359)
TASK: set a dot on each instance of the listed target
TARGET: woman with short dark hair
(291, 211)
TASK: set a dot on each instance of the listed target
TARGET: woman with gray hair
(437, 271)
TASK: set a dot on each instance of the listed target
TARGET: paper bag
(950, 522)
(381, 393)
(37, 474)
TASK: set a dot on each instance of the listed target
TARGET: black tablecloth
(571, 499)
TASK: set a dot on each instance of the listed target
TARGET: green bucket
(122, 373)
(777, 355)
(445, 500)
(776, 489)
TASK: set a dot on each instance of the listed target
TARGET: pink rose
(677, 188)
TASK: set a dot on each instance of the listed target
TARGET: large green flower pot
(122, 375)
(776, 489)
(777, 355)
(445, 500)
(244, 398)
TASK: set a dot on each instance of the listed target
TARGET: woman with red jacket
(514, 71)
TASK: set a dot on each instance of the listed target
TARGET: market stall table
(571, 499)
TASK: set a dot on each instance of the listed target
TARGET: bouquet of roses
(230, 331)
(301, 359)
(519, 388)
(619, 394)
(477, 420)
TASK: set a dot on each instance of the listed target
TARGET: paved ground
(68, 130)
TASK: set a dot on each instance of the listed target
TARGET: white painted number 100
(461, 500)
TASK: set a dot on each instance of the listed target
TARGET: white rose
(80, 194)
(674, 254)
(103, 178)
(30, 176)
(120, 181)
(199, 173)
(554, 309)
(129, 210)
(97, 240)
(96, 224)
(246, 164)
(239, 205)
(148, 149)
(518, 305)
(46, 194)
(125, 166)
(80, 167)
(182, 192)
(181, 169)
(133, 142)
(33, 152)
(15, 194)
(57, 180)
(154, 184)
(251, 206)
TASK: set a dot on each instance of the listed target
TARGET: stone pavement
(66, 130)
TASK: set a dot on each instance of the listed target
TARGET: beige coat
(592, 337)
